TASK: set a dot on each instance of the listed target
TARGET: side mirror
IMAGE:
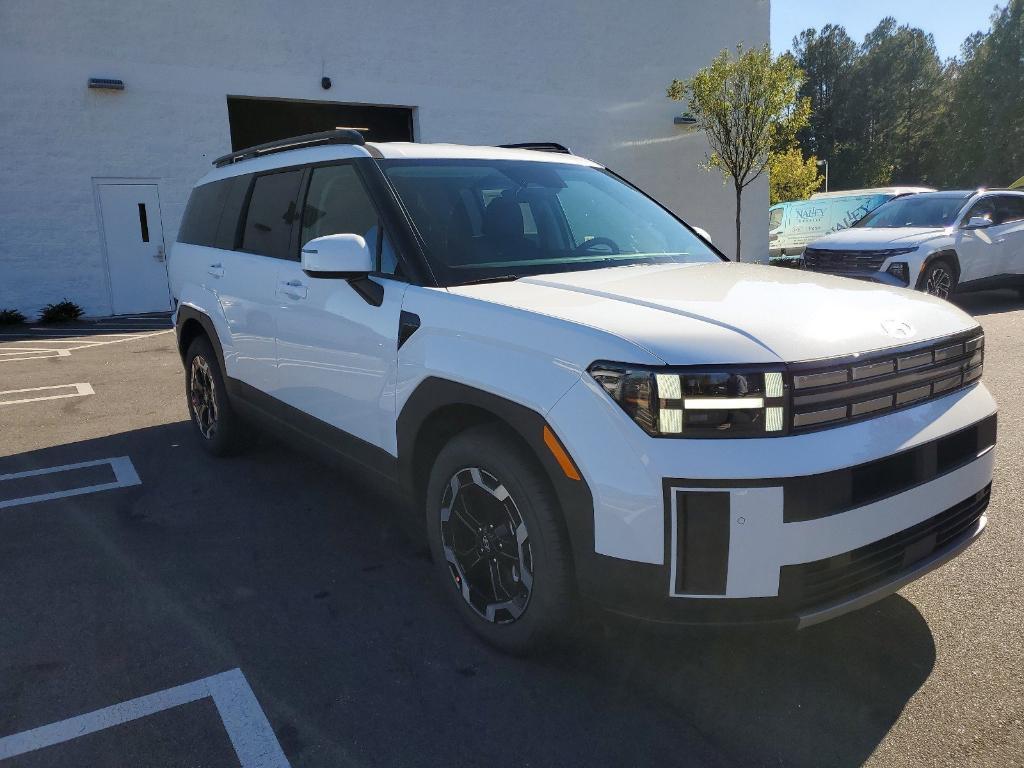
(978, 222)
(344, 256)
(702, 232)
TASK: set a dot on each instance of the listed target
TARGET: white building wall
(591, 75)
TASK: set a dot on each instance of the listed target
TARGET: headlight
(900, 271)
(696, 402)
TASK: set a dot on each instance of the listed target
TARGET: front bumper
(797, 529)
(874, 276)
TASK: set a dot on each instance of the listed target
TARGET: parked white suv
(939, 242)
(583, 400)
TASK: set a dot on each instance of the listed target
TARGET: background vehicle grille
(838, 262)
(828, 394)
(823, 581)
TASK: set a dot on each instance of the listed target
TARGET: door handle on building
(216, 270)
(160, 255)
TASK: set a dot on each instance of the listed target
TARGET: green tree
(877, 108)
(827, 58)
(746, 105)
(790, 177)
(982, 140)
(896, 105)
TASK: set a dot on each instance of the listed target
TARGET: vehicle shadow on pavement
(989, 302)
(823, 696)
(306, 578)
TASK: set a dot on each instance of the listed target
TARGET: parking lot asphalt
(278, 609)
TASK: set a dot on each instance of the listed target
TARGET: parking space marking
(33, 354)
(11, 354)
(247, 726)
(124, 476)
(81, 390)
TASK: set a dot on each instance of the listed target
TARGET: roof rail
(337, 136)
(540, 146)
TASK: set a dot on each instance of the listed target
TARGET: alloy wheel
(487, 545)
(939, 282)
(203, 394)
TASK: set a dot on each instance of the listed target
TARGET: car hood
(877, 238)
(731, 313)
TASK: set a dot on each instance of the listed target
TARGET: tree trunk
(739, 206)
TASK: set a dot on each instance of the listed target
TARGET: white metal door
(134, 238)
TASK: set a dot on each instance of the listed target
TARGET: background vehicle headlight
(694, 402)
(900, 271)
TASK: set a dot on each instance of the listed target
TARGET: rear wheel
(216, 423)
(940, 279)
(498, 548)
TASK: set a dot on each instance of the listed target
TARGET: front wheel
(497, 542)
(215, 421)
(940, 279)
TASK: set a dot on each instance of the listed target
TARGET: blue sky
(950, 21)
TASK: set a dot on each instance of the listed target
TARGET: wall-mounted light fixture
(325, 83)
(106, 83)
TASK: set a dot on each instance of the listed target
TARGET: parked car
(939, 242)
(791, 226)
(583, 401)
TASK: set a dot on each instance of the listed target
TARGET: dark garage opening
(256, 121)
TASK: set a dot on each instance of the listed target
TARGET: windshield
(932, 210)
(502, 219)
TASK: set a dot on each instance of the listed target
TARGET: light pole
(825, 163)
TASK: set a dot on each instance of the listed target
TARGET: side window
(775, 218)
(234, 207)
(272, 207)
(984, 208)
(202, 214)
(1009, 209)
(337, 203)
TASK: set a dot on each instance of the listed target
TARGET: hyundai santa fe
(583, 401)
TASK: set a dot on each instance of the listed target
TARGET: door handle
(160, 255)
(215, 270)
(293, 289)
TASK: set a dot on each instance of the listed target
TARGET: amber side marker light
(560, 454)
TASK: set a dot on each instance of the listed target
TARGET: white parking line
(39, 354)
(81, 390)
(118, 341)
(244, 720)
(96, 329)
(13, 354)
(124, 476)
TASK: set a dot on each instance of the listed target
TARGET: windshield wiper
(494, 279)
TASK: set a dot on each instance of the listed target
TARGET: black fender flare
(948, 255)
(435, 397)
(186, 315)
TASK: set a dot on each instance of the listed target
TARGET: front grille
(831, 393)
(839, 262)
(823, 581)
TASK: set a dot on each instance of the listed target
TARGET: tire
(516, 613)
(217, 425)
(939, 279)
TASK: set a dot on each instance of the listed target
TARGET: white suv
(582, 399)
(939, 242)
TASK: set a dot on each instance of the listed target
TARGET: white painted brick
(591, 75)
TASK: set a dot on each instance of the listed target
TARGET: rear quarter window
(202, 214)
(234, 206)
